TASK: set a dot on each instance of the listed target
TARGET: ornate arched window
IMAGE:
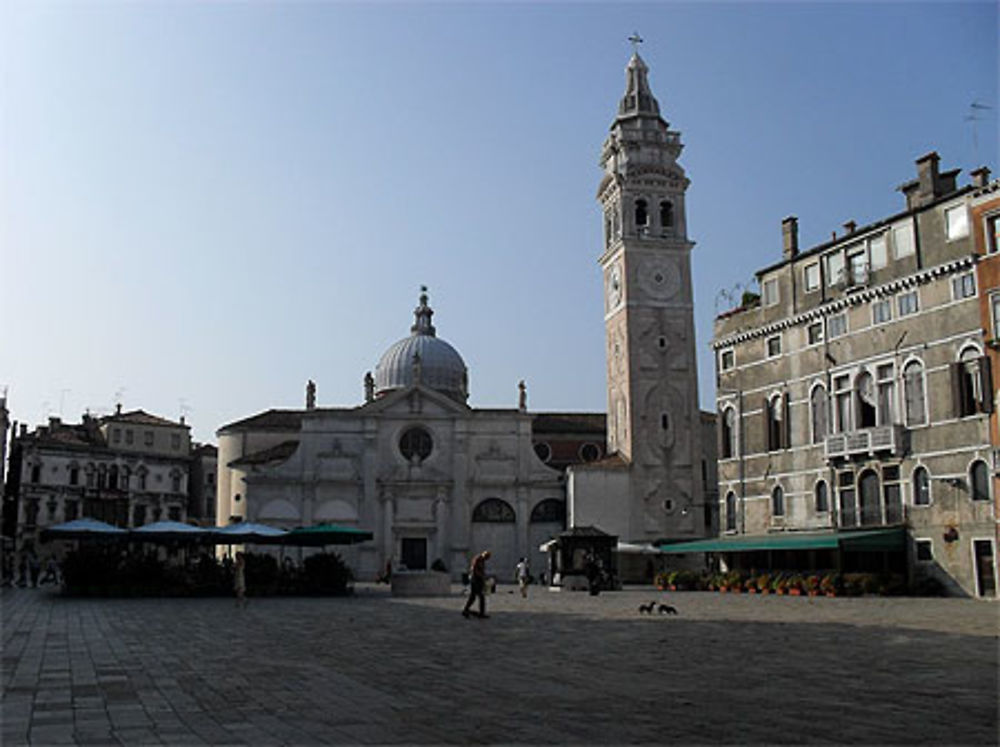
(818, 409)
(549, 511)
(777, 427)
(493, 510)
(777, 501)
(864, 387)
(921, 487)
(822, 497)
(868, 493)
(730, 511)
(979, 481)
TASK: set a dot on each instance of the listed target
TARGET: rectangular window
(842, 400)
(886, 382)
(128, 435)
(727, 359)
(902, 241)
(877, 252)
(836, 326)
(956, 222)
(925, 550)
(834, 268)
(993, 234)
(811, 276)
(815, 333)
(963, 286)
(857, 261)
(175, 441)
(149, 438)
(116, 435)
(774, 346)
(908, 304)
(995, 305)
(881, 311)
(770, 292)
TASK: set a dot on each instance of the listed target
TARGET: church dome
(422, 358)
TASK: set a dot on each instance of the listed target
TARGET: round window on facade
(543, 451)
(590, 452)
(415, 444)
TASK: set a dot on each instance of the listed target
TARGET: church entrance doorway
(413, 553)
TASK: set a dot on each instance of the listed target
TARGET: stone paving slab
(556, 668)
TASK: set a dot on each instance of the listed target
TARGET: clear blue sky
(213, 203)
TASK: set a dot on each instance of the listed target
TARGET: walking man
(523, 576)
(477, 584)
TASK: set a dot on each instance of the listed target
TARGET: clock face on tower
(614, 289)
(660, 277)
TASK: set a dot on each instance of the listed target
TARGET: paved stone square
(556, 668)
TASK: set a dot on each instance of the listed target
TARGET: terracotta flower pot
(795, 592)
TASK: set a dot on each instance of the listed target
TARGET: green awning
(325, 534)
(874, 539)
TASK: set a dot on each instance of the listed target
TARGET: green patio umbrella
(325, 534)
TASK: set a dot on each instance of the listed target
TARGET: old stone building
(436, 479)
(653, 485)
(433, 478)
(855, 392)
(128, 469)
(985, 224)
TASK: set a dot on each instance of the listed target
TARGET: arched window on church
(641, 214)
(493, 510)
(549, 511)
(667, 214)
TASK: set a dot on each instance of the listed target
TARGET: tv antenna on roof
(977, 113)
(635, 40)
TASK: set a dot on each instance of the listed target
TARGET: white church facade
(437, 480)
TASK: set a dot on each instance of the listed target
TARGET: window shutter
(985, 385)
(766, 419)
(786, 430)
(955, 370)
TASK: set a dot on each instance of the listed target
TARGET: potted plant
(793, 585)
(812, 585)
(763, 583)
(829, 584)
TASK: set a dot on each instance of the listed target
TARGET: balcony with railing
(881, 440)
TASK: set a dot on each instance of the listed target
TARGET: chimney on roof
(118, 408)
(928, 176)
(790, 237)
(182, 420)
(850, 227)
(24, 430)
(54, 422)
(980, 177)
(311, 395)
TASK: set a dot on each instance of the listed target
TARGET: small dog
(647, 608)
(667, 609)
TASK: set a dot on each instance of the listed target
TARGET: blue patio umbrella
(169, 530)
(82, 529)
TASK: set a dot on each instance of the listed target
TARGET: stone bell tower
(653, 414)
